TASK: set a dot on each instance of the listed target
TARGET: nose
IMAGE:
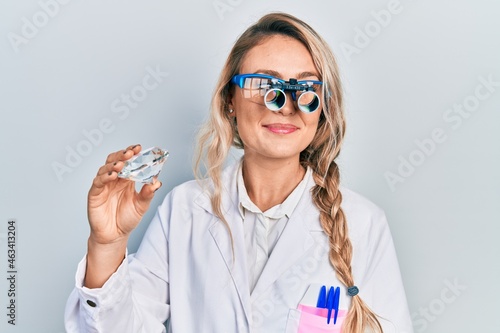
(289, 108)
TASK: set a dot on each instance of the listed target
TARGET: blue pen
(336, 304)
(330, 303)
(322, 298)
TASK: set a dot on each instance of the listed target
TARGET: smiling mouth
(281, 128)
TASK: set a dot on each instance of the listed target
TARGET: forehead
(282, 54)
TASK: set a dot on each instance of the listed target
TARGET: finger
(114, 166)
(146, 194)
(135, 148)
(124, 154)
(101, 181)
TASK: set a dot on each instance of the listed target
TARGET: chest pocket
(308, 319)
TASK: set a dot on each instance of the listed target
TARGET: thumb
(147, 194)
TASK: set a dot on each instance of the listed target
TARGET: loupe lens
(308, 102)
(275, 99)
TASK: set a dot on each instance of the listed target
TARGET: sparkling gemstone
(144, 166)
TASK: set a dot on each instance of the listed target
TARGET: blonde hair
(220, 133)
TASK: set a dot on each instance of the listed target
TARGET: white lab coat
(185, 270)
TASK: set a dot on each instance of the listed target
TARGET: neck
(269, 183)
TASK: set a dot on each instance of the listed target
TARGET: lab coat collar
(286, 208)
(230, 199)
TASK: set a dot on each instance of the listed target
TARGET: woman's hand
(114, 209)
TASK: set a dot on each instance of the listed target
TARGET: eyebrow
(278, 75)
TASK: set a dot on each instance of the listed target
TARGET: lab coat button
(92, 304)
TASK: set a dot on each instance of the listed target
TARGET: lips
(281, 128)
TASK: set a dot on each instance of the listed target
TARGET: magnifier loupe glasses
(271, 91)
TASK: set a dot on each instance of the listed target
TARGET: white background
(401, 82)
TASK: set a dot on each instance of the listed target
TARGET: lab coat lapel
(237, 267)
(294, 242)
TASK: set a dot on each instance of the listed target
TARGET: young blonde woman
(248, 247)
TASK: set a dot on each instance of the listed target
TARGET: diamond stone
(144, 166)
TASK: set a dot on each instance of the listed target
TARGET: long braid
(333, 221)
(326, 195)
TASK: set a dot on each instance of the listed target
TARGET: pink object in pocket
(313, 320)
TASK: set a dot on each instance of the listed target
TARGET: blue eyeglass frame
(292, 86)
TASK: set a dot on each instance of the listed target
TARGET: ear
(230, 105)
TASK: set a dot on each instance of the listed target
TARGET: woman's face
(279, 134)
